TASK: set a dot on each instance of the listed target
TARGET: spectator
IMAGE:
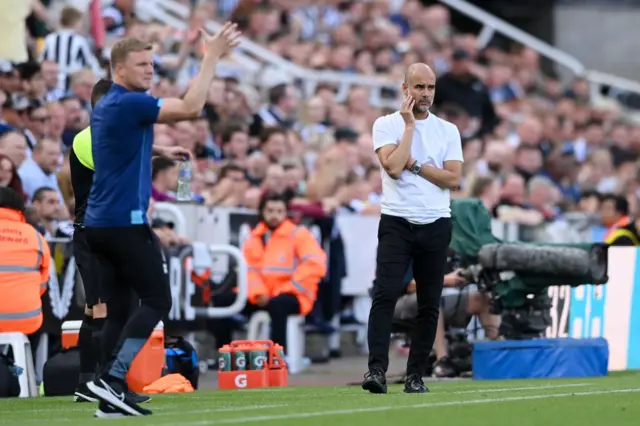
(40, 171)
(37, 124)
(614, 212)
(9, 177)
(14, 146)
(461, 87)
(22, 284)
(47, 206)
(164, 178)
(33, 82)
(69, 48)
(282, 104)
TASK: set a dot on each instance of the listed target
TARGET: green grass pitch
(614, 400)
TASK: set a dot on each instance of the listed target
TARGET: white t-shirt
(411, 196)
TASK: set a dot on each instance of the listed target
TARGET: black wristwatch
(415, 167)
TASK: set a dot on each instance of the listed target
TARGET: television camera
(517, 275)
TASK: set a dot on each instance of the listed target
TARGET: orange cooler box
(147, 365)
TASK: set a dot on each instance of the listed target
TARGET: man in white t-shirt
(421, 158)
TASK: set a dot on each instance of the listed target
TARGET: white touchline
(161, 412)
(491, 390)
(166, 409)
(400, 407)
(441, 391)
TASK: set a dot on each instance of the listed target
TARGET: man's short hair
(270, 131)
(10, 199)
(120, 51)
(28, 70)
(277, 93)
(272, 197)
(39, 194)
(99, 90)
(70, 16)
(160, 164)
(621, 204)
(231, 167)
(480, 185)
(229, 130)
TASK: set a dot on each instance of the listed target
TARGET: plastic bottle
(185, 176)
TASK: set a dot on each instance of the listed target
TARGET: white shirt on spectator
(34, 178)
(72, 52)
(412, 197)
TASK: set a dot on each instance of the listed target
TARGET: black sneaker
(83, 394)
(118, 400)
(137, 398)
(414, 384)
(375, 381)
(106, 411)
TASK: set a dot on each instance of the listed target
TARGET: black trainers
(137, 398)
(414, 384)
(375, 381)
(105, 392)
(83, 394)
(106, 411)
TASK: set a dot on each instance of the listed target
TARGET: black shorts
(89, 270)
(130, 258)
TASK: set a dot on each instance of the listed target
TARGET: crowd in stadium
(533, 147)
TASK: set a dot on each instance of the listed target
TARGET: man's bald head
(418, 70)
(420, 84)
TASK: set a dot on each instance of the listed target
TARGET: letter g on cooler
(241, 381)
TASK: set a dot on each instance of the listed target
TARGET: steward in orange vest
(285, 263)
(283, 258)
(24, 267)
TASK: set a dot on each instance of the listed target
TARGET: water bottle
(185, 176)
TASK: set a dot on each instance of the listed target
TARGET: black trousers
(279, 309)
(399, 242)
(129, 259)
(90, 274)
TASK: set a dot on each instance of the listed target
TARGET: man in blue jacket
(116, 223)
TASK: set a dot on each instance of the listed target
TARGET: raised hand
(407, 111)
(219, 44)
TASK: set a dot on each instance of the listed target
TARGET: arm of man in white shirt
(450, 175)
(393, 155)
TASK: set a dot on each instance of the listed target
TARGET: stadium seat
(23, 358)
(258, 329)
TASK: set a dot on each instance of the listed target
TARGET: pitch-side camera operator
(458, 304)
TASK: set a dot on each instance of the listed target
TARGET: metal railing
(164, 209)
(253, 55)
(178, 268)
(494, 24)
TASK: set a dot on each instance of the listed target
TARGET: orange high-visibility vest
(291, 261)
(24, 273)
(622, 222)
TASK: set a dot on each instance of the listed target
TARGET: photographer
(457, 306)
